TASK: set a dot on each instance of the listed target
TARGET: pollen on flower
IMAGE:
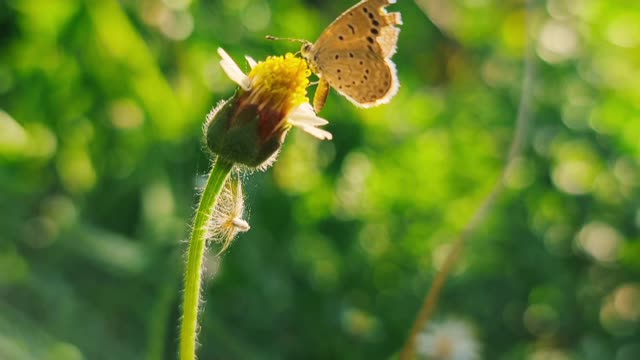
(281, 79)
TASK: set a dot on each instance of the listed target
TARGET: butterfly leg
(320, 97)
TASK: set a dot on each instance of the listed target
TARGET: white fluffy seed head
(227, 219)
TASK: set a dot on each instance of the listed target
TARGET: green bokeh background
(101, 112)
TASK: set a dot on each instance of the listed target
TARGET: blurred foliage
(101, 109)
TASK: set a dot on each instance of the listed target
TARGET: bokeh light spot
(177, 4)
(13, 137)
(374, 239)
(626, 300)
(351, 186)
(176, 25)
(558, 42)
(624, 30)
(126, 114)
(540, 319)
(256, 16)
(76, 169)
(576, 169)
(600, 240)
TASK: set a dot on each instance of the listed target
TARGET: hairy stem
(195, 254)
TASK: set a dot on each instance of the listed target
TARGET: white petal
(305, 109)
(233, 70)
(304, 114)
(304, 117)
(300, 120)
(316, 132)
(252, 63)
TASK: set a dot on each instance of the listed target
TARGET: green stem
(193, 275)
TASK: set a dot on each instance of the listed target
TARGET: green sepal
(232, 132)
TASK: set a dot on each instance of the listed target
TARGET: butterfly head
(305, 49)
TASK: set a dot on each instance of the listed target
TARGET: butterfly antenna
(269, 37)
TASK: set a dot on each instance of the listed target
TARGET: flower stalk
(193, 274)
(248, 130)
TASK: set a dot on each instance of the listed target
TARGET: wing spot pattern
(366, 79)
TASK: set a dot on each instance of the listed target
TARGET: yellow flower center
(280, 82)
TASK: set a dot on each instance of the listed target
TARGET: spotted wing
(359, 73)
(366, 20)
(353, 53)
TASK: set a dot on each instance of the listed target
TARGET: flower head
(250, 127)
(450, 340)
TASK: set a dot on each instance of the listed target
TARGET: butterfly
(353, 55)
